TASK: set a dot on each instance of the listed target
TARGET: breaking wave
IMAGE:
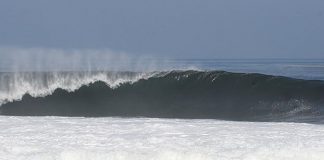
(174, 94)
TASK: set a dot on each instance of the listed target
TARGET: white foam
(13, 86)
(56, 138)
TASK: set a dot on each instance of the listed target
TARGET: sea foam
(57, 138)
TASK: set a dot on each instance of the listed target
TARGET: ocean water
(179, 109)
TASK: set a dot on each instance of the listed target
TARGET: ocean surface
(179, 109)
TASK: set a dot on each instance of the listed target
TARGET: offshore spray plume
(39, 72)
(40, 59)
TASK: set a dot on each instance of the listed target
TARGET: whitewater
(66, 138)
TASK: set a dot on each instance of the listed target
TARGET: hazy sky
(173, 28)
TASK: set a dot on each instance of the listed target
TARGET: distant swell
(176, 94)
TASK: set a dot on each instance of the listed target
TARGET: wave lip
(175, 94)
(13, 86)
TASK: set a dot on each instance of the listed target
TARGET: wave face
(175, 94)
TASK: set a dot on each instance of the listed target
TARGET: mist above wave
(15, 59)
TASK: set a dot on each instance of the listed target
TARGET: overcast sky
(172, 28)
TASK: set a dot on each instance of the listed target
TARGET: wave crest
(13, 86)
